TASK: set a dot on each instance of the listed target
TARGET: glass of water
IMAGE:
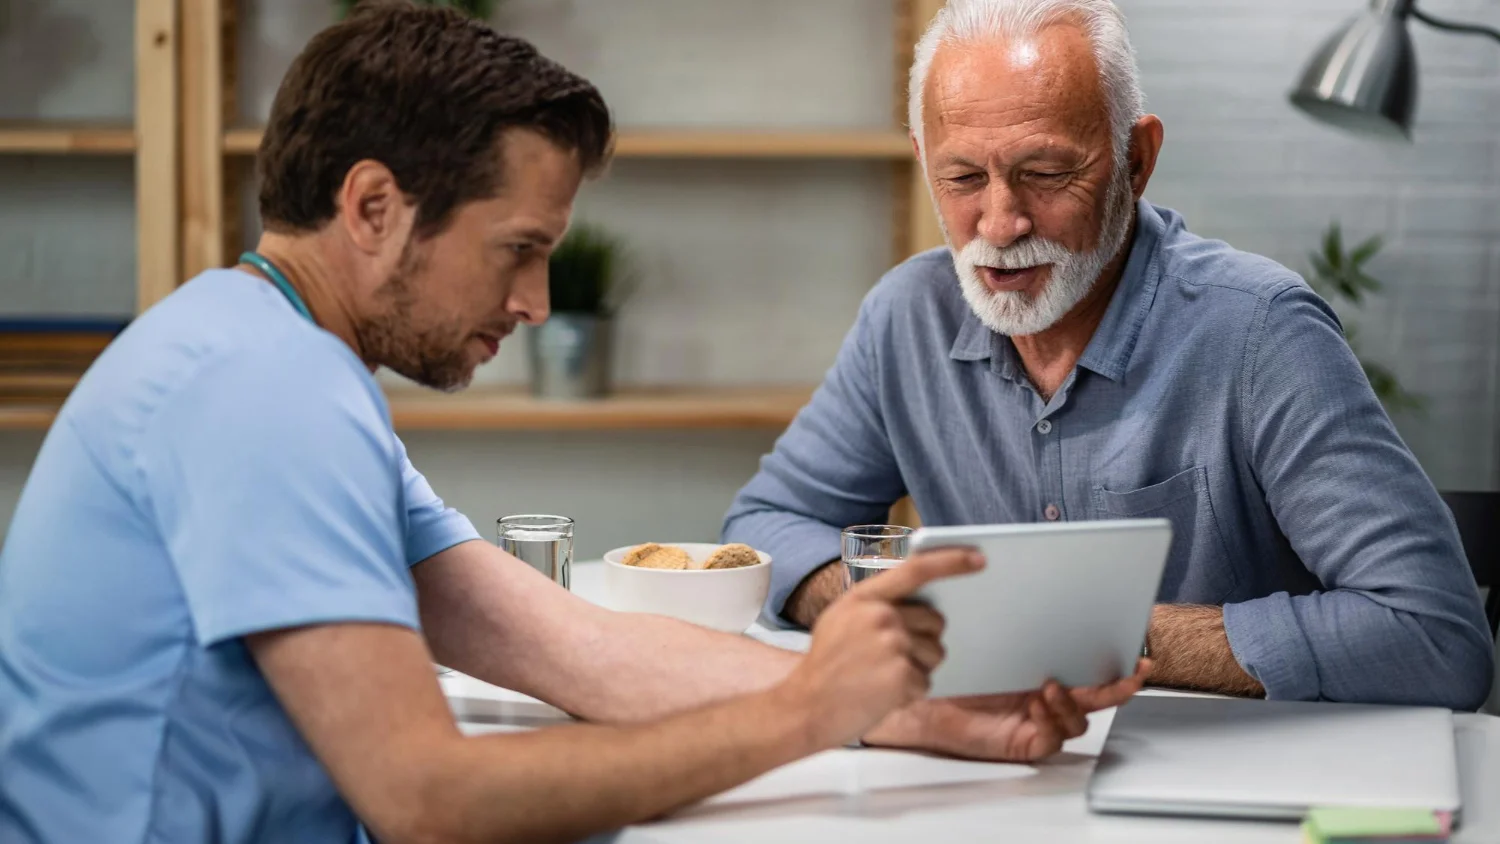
(871, 549)
(543, 542)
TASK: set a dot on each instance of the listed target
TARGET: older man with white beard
(1077, 354)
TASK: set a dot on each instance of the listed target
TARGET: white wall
(732, 251)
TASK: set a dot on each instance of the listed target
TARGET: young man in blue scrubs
(225, 585)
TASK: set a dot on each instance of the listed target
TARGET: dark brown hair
(428, 93)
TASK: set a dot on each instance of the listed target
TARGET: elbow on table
(1473, 674)
(1459, 663)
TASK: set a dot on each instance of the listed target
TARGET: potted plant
(1340, 274)
(482, 9)
(587, 281)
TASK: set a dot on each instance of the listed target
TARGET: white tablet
(1067, 601)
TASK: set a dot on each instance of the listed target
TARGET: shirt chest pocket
(1199, 568)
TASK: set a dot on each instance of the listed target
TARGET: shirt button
(1052, 513)
(1044, 427)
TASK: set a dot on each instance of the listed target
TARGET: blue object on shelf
(63, 325)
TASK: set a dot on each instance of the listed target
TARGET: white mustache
(1021, 255)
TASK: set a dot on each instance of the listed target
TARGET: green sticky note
(1351, 823)
(1310, 834)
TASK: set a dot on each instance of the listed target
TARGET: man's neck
(313, 275)
(1050, 356)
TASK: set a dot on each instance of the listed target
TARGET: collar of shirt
(1114, 340)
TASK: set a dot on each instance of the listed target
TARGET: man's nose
(1004, 219)
(529, 300)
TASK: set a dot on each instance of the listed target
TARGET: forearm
(493, 617)
(820, 589)
(1190, 650)
(566, 783)
(672, 666)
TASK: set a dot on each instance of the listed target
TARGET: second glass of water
(543, 542)
(871, 549)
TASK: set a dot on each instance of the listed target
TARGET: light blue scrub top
(226, 467)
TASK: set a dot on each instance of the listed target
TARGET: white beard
(1073, 274)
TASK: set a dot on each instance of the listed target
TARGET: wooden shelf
(505, 410)
(885, 145)
(66, 139)
(482, 409)
(36, 417)
(875, 144)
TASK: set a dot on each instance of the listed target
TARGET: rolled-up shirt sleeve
(833, 467)
(1398, 619)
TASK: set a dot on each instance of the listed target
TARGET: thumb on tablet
(903, 581)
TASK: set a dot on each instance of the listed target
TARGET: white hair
(969, 21)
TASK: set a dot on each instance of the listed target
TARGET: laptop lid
(1217, 757)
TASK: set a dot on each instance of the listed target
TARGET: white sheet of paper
(837, 772)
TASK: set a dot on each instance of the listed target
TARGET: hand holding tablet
(1067, 602)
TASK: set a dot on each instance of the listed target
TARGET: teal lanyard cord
(259, 261)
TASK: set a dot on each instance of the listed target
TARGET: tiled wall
(731, 253)
(1243, 166)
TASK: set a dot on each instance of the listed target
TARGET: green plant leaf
(1333, 246)
(1367, 282)
(1337, 275)
(1367, 250)
(589, 273)
(1388, 389)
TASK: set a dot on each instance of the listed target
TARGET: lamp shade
(1364, 78)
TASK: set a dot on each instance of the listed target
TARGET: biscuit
(733, 557)
(654, 556)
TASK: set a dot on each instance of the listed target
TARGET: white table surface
(875, 795)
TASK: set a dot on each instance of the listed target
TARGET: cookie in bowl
(720, 586)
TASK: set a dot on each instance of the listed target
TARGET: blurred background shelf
(671, 408)
(870, 144)
(28, 417)
(490, 409)
(66, 138)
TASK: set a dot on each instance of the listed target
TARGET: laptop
(1217, 757)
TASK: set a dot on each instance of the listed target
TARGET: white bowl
(721, 599)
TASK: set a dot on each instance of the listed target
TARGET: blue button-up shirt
(1217, 392)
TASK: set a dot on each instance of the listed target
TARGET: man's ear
(1146, 138)
(372, 209)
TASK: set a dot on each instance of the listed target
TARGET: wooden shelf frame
(188, 192)
(66, 138)
(158, 145)
(482, 409)
(499, 409)
(748, 143)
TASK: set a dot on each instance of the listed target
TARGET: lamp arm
(1449, 26)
